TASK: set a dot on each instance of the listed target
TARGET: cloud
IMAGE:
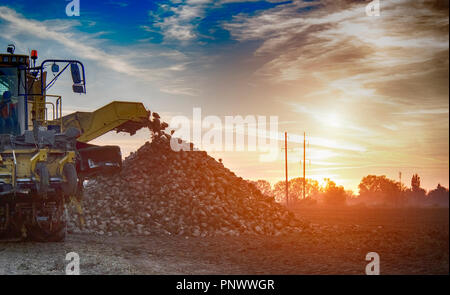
(379, 83)
(425, 112)
(323, 41)
(143, 62)
(331, 119)
(177, 22)
(221, 2)
(17, 24)
(395, 63)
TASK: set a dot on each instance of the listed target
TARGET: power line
(286, 168)
(304, 164)
(302, 167)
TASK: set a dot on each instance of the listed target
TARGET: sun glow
(322, 179)
(332, 120)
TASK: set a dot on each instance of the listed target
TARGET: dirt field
(409, 241)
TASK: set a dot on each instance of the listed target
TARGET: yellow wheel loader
(45, 156)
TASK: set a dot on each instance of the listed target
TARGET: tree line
(373, 190)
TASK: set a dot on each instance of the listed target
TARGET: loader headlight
(91, 164)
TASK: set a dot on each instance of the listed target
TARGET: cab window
(9, 98)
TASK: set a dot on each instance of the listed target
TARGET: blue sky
(371, 92)
(129, 22)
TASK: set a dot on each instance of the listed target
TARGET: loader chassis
(34, 185)
(37, 159)
(32, 160)
(44, 156)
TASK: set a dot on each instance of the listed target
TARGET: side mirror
(76, 76)
(55, 68)
(78, 88)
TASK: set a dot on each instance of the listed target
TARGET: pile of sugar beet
(178, 193)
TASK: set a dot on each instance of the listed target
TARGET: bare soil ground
(409, 241)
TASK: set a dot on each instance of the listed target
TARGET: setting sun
(332, 120)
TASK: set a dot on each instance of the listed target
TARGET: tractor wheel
(70, 186)
(48, 226)
(36, 234)
(44, 179)
(59, 235)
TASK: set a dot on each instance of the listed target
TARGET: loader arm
(121, 116)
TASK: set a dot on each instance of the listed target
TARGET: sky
(371, 92)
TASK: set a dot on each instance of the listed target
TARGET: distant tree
(416, 195)
(334, 195)
(279, 191)
(380, 190)
(295, 186)
(439, 196)
(415, 182)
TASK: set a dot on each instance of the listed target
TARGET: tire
(70, 186)
(58, 236)
(44, 179)
(36, 233)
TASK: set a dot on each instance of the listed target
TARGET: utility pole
(304, 164)
(400, 180)
(286, 168)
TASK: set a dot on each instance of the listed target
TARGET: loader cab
(12, 93)
(24, 102)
